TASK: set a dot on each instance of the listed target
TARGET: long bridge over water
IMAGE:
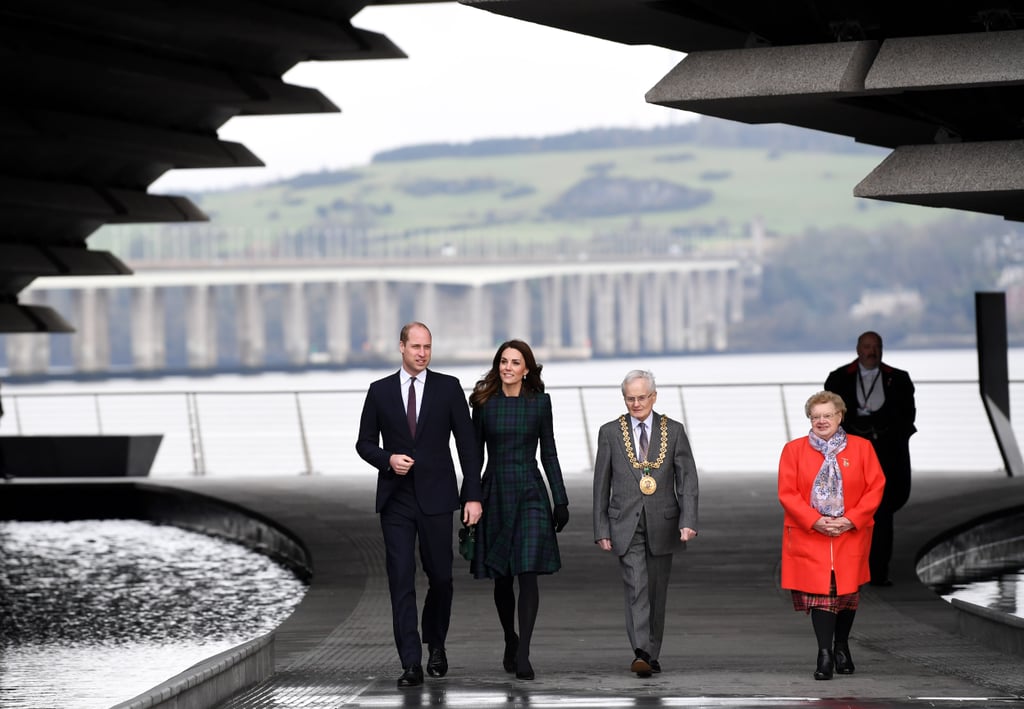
(565, 309)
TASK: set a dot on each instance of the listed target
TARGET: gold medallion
(648, 484)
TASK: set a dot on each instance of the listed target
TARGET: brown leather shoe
(641, 663)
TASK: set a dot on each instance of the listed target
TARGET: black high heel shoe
(825, 664)
(524, 672)
(509, 659)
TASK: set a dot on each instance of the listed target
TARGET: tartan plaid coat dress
(516, 533)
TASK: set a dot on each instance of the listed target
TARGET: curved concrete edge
(971, 543)
(213, 681)
(993, 628)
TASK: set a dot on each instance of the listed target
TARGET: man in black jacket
(880, 407)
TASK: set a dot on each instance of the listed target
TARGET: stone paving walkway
(732, 637)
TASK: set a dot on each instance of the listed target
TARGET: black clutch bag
(467, 542)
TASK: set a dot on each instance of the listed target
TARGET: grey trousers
(645, 579)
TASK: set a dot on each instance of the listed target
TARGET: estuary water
(702, 369)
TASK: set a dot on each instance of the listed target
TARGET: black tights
(529, 604)
(831, 628)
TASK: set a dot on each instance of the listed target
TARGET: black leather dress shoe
(825, 664)
(641, 663)
(655, 666)
(412, 676)
(843, 660)
(437, 665)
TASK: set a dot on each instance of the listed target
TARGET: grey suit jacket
(618, 501)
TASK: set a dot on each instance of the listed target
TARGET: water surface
(95, 612)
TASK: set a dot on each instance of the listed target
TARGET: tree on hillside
(811, 282)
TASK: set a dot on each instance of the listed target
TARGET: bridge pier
(296, 325)
(148, 323)
(201, 327)
(91, 341)
(339, 323)
(578, 310)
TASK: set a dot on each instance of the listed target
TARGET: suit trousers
(645, 578)
(894, 457)
(401, 521)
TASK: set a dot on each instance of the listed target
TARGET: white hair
(644, 374)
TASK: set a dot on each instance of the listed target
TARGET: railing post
(99, 416)
(17, 417)
(586, 427)
(682, 408)
(195, 434)
(302, 437)
(785, 415)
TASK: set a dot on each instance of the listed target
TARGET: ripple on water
(94, 612)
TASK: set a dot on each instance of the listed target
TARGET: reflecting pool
(1001, 591)
(94, 612)
(982, 564)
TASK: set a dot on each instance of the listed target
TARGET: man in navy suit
(405, 433)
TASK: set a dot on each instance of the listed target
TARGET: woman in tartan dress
(516, 534)
(830, 485)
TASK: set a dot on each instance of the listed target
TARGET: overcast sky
(470, 74)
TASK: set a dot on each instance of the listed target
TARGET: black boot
(844, 661)
(508, 661)
(825, 664)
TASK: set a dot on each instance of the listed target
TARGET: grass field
(504, 197)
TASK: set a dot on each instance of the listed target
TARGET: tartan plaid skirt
(804, 601)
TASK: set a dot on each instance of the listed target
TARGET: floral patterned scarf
(827, 491)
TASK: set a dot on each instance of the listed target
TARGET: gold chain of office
(627, 439)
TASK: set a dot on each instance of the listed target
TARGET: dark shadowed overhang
(103, 97)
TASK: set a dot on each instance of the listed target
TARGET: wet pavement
(732, 638)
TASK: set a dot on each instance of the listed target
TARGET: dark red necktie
(410, 412)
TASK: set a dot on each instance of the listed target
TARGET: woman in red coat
(830, 484)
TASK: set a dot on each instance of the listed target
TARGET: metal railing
(732, 427)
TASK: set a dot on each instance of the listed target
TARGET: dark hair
(490, 383)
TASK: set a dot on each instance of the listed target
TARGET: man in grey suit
(645, 508)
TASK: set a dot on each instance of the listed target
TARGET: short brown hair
(404, 336)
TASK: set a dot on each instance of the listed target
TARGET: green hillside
(690, 189)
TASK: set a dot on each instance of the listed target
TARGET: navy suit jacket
(384, 431)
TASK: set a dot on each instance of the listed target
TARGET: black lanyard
(867, 394)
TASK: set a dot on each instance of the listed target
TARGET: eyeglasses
(638, 399)
(823, 417)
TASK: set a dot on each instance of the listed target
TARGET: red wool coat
(807, 555)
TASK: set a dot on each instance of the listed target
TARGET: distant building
(886, 303)
(1012, 281)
